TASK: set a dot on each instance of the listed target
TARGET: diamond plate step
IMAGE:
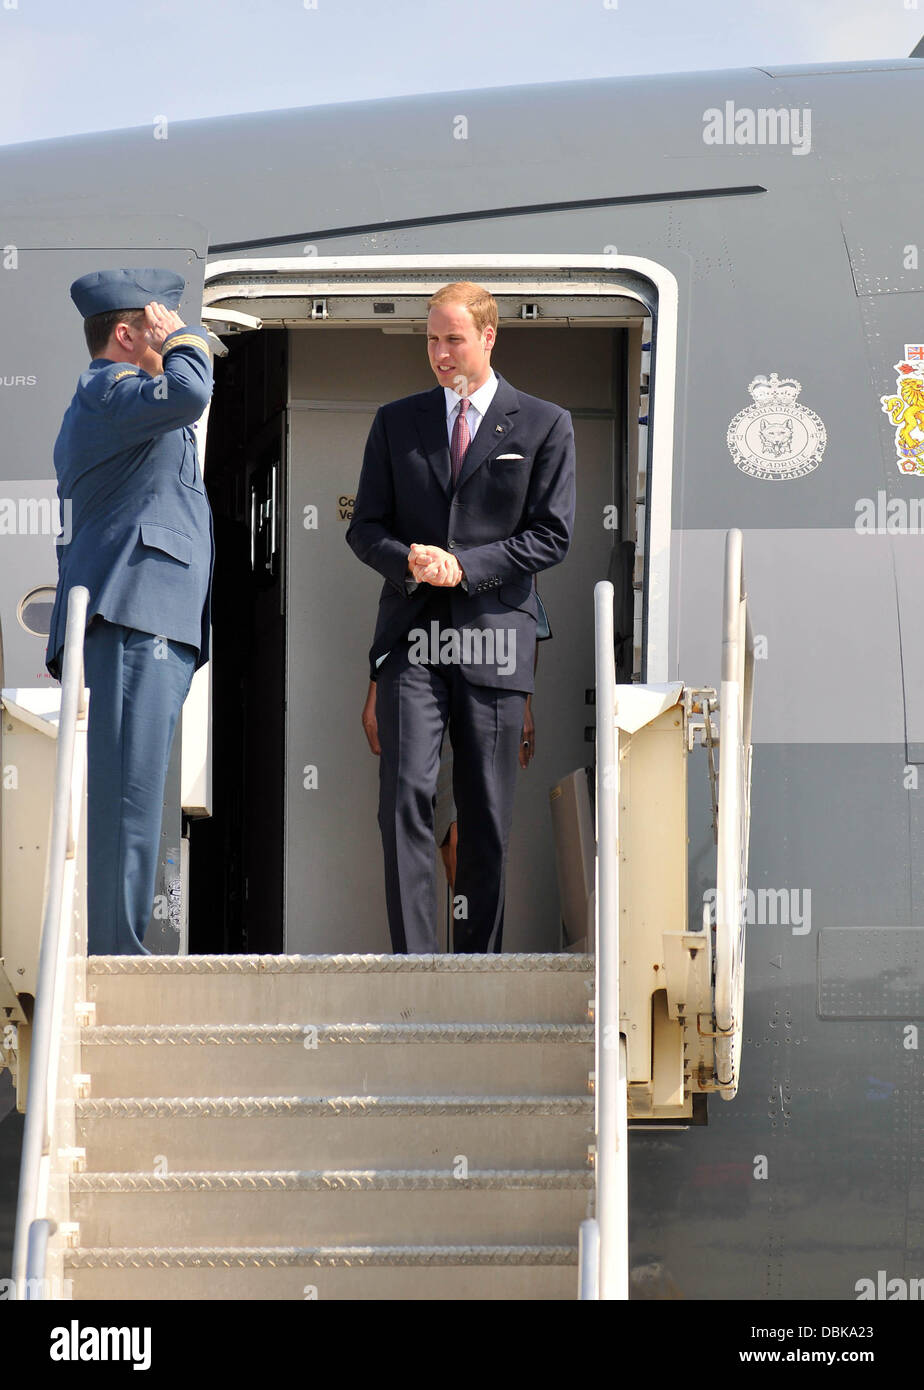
(422, 1272)
(279, 1059)
(514, 988)
(335, 1131)
(336, 1206)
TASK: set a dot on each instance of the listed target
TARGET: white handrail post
(40, 1231)
(610, 1057)
(589, 1259)
(50, 980)
(735, 711)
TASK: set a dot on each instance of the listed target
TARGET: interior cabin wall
(333, 861)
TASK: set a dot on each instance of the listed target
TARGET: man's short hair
(97, 329)
(480, 303)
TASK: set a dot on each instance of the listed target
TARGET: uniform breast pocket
(176, 544)
(189, 468)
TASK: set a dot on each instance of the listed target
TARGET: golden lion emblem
(907, 411)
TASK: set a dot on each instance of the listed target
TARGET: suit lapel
(431, 424)
(496, 424)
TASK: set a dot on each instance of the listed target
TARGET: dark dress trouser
(414, 704)
(138, 683)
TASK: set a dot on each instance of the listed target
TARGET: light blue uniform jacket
(136, 520)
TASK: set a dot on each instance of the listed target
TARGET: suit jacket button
(451, 545)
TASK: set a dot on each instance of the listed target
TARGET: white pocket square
(508, 456)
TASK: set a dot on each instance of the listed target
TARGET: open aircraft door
(342, 334)
(42, 353)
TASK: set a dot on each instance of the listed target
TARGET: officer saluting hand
(160, 323)
(141, 541)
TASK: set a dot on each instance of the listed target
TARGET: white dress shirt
(478, 403)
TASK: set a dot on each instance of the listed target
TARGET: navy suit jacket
(506, 520)
(137, 523)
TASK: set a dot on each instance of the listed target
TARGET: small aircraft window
(35, 610)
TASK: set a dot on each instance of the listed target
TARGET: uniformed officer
(141, 541)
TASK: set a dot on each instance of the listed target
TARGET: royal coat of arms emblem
(906, 410)
(775, 439)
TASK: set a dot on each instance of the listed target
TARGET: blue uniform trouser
(138, 683)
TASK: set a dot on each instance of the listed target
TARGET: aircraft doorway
(291, 859)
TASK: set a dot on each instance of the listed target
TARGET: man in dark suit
(141, 541)
(466, 493)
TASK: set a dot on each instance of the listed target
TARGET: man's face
(459, 355)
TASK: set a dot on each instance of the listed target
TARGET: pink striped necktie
(461, 438)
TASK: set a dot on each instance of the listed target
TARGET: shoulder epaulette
(98, 384)
(186, 340)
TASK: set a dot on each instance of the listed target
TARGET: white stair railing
(611, 1162)
(604, 1245)
(736, 698)
(42, 1202)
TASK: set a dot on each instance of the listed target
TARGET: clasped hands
(428, 564)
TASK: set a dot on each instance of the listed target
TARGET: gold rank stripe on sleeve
(187, 340)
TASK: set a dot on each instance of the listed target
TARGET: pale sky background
(68, 66)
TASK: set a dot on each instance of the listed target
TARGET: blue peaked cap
(103, 290)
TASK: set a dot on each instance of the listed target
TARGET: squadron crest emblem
(906, 410)
(775, 439)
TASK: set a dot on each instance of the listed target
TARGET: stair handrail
(736, 702)
(606, 1243)
(60, 932)
(603, 1250)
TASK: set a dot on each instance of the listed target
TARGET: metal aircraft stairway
(356, 1127)
(224, 1151)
